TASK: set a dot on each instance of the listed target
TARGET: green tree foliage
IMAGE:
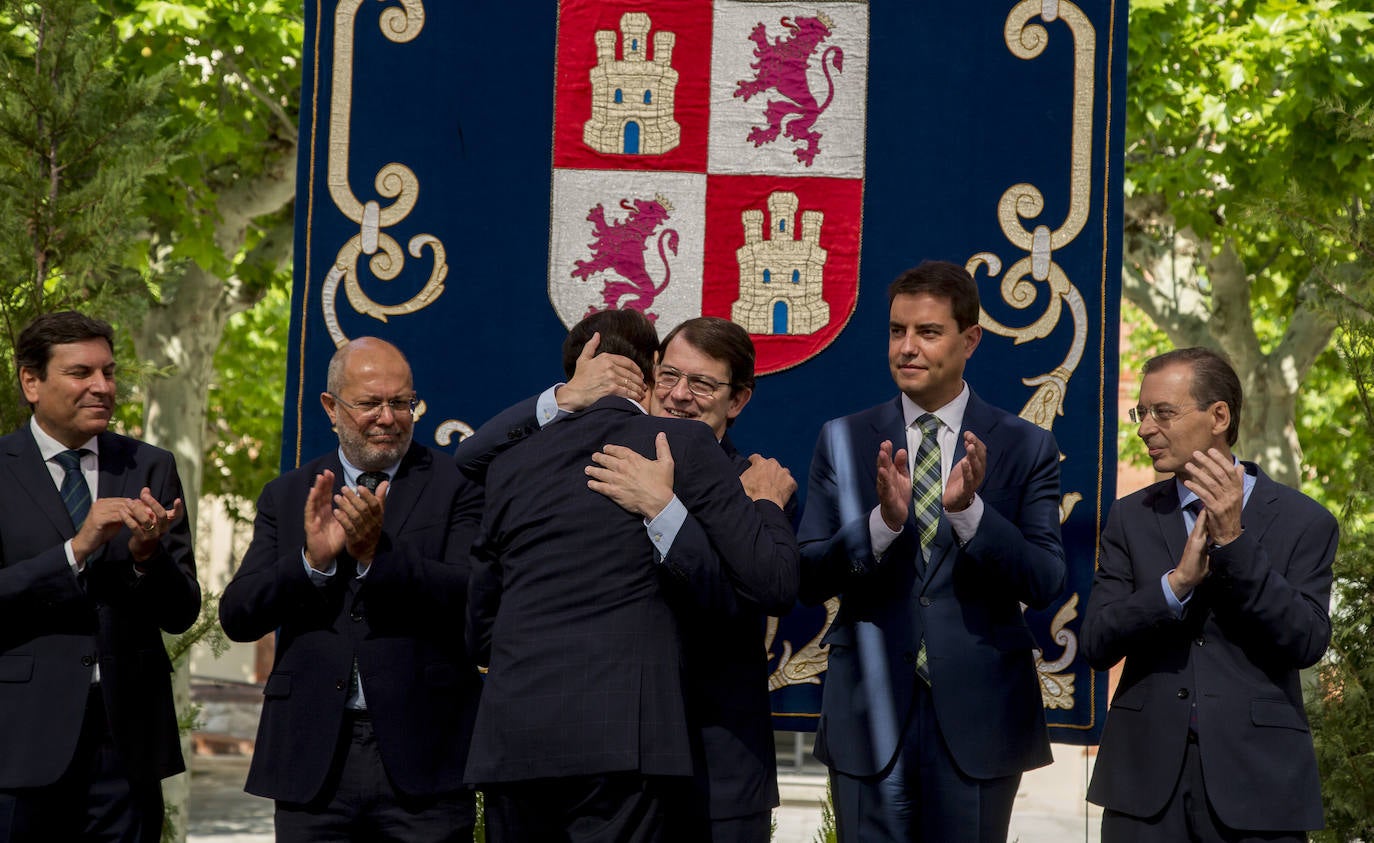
(1342, 712)
(79, 141)
(1228, 109)
(246, 401)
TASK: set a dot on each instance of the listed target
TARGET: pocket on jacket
(1279, 713)
(1131, 699)
(17, 668)
(841, 635)
(278, 686)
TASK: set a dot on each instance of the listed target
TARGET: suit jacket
(402, 622)
(966, 605)
(727, 666)
(567, 603)
(1259, 617)
(723, 613)
(54, 626)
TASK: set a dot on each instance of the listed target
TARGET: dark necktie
(926, 504)
(75, 493)
(370, 480)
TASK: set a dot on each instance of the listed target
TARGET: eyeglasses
(667, 377)
(1161, 413)
(373, 409)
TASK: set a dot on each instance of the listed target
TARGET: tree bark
(1199, 294)
(180, 336)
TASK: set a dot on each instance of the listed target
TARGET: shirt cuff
(546, 408)
(1175, 605)
(318, 577)
(664, 527)
(965, 522)
(880, 536)
(71, 558)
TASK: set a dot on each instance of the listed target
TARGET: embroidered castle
(632, 98)
(780, 275)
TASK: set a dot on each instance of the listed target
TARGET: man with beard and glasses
(95, 563)
(359, 562)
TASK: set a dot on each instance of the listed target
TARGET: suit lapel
(407, 487)
(1169, 522)
(114, 464)
(983, 423)
(1262, 508)
(30, 472)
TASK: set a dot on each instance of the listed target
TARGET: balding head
(369, 387)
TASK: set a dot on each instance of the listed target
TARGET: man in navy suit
(95, 562)
(582, 733)
(705, 372)
(1214, 585)
(359, 561)
(933, 517)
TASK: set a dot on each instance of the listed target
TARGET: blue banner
(475, 177)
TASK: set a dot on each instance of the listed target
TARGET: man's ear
(738, 399)
(28, 382)
(330, 406)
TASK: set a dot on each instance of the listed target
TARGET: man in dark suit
(359, 561)
(95, 560)
(705, 372)
(932, 707)
(1214, 585)
(583, 714)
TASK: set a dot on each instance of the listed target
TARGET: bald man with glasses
(359, 561)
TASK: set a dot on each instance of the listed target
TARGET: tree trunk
(1164, 277)
(180, 336)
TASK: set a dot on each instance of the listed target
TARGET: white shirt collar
(351, 471)
(951, 415)
(50, 447)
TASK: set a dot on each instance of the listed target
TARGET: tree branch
(1232, 323)
(284, 121)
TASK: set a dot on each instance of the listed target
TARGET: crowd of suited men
(568, 613)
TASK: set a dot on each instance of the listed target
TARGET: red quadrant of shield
(578, 23)
(840, 200)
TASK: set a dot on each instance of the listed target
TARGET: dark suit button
(340, 685)
(87, 661)
(357, 616)
(1183, 693)
(1201, 641)
(926, 601)
(909, 658)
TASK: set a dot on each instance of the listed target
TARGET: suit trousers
(624, 807)
(922, 796)
(358, 803)
(93, 802)
(753, 828)
(1187, 817)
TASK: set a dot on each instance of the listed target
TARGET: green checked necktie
(75, 493)
(926, 504)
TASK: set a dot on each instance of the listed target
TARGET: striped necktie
(927, 505)
(925, 485)
(76, 495)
